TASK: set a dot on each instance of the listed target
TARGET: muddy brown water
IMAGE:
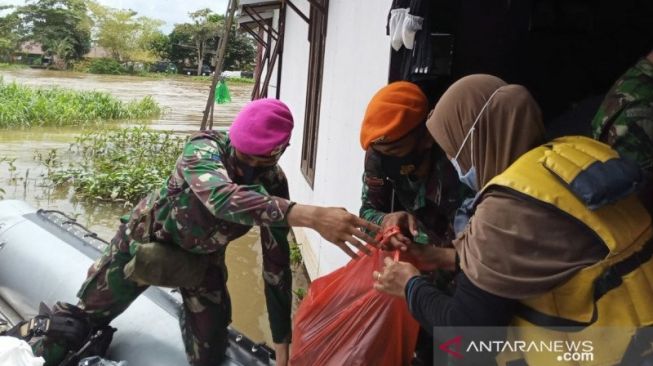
(184, 100)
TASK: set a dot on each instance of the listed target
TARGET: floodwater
(184, 100)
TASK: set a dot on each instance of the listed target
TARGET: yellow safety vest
(569, 174)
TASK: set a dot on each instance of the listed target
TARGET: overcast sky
(170, 11)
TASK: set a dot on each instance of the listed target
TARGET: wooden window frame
(317, 30)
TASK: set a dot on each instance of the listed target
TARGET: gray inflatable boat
(44, 256)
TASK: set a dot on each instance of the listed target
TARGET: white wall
(355, 67)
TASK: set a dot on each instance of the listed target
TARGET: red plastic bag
(343, 320)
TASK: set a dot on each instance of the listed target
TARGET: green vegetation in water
(116, 164)
(11, 167)
(11, 163)
(22, 106)
(5, 66)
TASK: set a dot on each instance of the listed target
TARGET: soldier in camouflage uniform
(431, 199)
(625, 120)
(214, 195)
(409, 182)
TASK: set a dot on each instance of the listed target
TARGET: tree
(126, 36)
(63, 49)
(55, 23)
(161, 46)
(11, 32)
(202, 34)
(147, 33)
(241, 52)
(180, 47)
(222, 48)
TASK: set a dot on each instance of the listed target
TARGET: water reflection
(23, 178)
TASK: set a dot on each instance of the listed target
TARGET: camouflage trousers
(107, 292)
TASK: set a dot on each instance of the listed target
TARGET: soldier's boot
(64, 335)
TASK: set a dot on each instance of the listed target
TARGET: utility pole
(222, 49)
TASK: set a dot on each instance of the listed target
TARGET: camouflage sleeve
(625, 118)
(636, 144)
(277, 281)
(368, 210)
(277, 275)
(203, 170)
(376, 194)
(625, 121)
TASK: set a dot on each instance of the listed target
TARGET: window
(317, 37)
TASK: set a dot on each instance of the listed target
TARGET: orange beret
(393, 112)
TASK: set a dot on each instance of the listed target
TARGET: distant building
(31, 48)
(32, 52)
(29, 53)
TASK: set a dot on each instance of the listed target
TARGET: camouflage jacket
(432, 200)
(625, 119)
(203, 206)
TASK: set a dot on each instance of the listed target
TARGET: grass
(229, 80)
(85, 67)
(210, 78)
(11, 167)
(6, 66)
(194, 78)
(240, 80)
(300, 293)
(116, 164)
(22, 106)
(295, 253)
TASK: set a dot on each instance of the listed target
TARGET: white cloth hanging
(396, 26)
(412, 24)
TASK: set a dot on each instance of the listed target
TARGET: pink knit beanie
(262, 127)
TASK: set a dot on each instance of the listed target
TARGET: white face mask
(469, 178)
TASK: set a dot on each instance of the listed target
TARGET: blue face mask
(469, 178)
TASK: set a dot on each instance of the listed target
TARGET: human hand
(335, 225)
(430, 257)
(281, 354)
(406, 222)
(341, 227)
(394, 278)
